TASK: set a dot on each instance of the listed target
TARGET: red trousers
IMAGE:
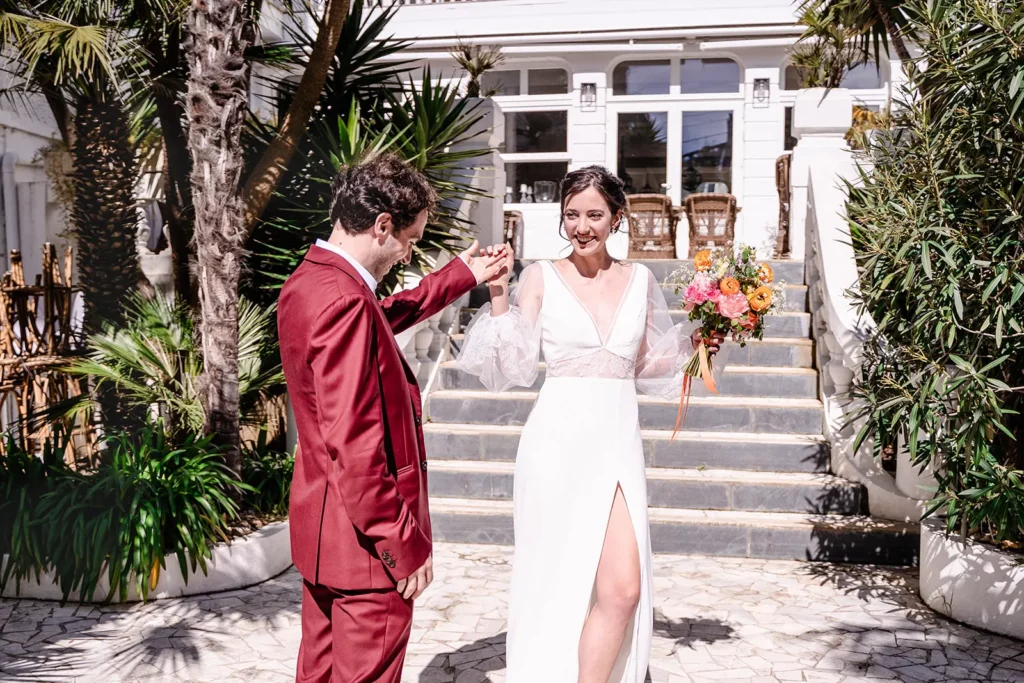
(352, 636)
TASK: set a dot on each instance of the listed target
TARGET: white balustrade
(821, 162)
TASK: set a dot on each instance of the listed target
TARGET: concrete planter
(972, 582)
(245, 562)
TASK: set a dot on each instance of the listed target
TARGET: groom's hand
(413, 586)
(487, 263)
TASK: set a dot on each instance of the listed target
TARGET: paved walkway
(717, 620)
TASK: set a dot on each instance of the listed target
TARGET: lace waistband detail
(601, 364)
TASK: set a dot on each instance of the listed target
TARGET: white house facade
(674, 96)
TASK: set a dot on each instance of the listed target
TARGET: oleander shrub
(938, 228)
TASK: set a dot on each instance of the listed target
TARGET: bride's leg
(617, 593)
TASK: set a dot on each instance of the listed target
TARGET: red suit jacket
(358, 512)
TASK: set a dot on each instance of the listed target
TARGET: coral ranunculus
(729, 286)
(765, 273)
(702, 261)
(761, 298)
(733, 306)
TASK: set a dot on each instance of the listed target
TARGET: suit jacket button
(423, 465)
(417, 420)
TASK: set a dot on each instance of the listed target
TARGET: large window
(699, 76)
(696, 77)
(514, 82)
(536, 132)
(707, 152)
(861, 77)
(643, 152)
(642, 78)
(532, 138)
(500, 83)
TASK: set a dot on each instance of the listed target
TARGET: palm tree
(476, 60)
(76, 54)
(217, 106)
(876, 22)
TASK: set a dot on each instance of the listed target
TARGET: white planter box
(971, 582)
(245, 562)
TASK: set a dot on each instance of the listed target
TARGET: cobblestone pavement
(717, 620)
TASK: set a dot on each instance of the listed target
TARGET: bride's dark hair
(601, 179)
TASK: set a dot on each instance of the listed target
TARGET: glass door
(642, 159)
(707, 152)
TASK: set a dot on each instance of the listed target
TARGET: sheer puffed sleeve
(503, 350)
(665, 349)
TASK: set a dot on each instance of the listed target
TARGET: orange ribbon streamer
(684, 396)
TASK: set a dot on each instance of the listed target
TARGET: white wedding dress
(582, 439)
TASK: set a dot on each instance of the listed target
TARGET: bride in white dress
(580, 608)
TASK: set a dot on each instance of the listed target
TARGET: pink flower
(701, 289)
(734, 306)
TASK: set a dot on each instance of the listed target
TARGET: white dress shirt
(363, 272)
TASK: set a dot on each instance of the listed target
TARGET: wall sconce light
(761, 92)
(588, 96)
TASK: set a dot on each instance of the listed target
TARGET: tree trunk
(178, 209)
(104, 214)
(216, 105)
(105, 223)
(271, 167)
(894, 32)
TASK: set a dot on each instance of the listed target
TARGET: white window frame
(676, 105)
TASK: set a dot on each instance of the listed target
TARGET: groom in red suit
(360, 528)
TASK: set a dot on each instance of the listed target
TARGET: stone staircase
(749, 476)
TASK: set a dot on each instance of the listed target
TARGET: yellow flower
(702, 261)
(765, 273)
(729, 286)
(760, 299)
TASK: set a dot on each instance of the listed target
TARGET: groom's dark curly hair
(382, 184)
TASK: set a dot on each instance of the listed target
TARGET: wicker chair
(652, 226)
(712, 218)
(782, 165)
(514, 230)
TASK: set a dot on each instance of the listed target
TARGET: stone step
(735, 380)
(763, 535)
(788, 325)
(769, 352)
(715, 414)
(704, 489)
(690, 449)
(792, 272)
(796, 298)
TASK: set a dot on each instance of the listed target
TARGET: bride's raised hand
(485, 264)
(501, 278)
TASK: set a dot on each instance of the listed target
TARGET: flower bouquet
(728, 291)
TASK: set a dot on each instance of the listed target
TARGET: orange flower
(729, 286)
(761, 298)
(765, 273)
(702, 261)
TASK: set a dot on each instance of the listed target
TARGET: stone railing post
(821, 119)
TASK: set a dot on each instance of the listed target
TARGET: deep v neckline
(593, 320)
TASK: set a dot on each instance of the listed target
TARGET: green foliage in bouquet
(938, 227)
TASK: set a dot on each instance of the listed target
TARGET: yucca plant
(369, 105)
(476, 60)
(938, 227)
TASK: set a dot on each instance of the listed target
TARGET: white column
(487, 213)
(821, 119)
(758, 130)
